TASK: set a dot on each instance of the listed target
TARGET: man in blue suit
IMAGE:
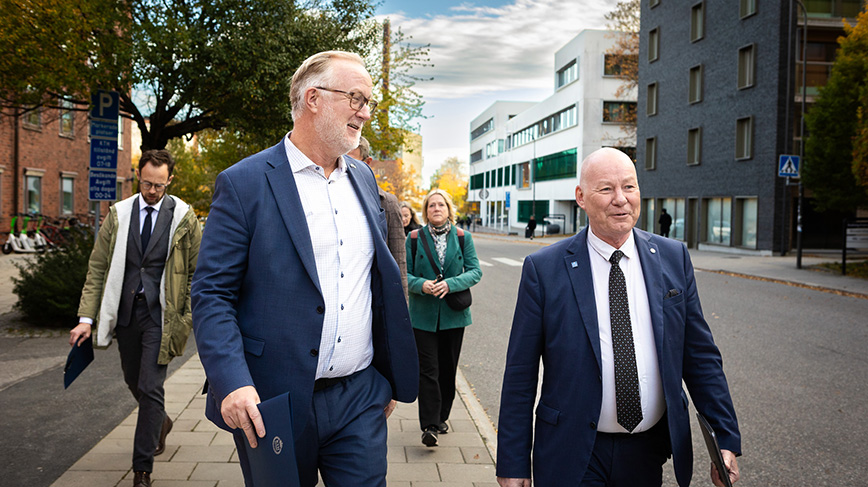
(296, 289)
(615, 316)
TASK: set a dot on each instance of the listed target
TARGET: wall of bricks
(44, 150)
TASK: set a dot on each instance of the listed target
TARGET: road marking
(504, 260)
(486, 264)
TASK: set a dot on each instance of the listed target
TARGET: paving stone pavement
(198, 454)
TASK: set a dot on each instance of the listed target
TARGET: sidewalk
(198, 454)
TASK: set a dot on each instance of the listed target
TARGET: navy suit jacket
(257, 306)
(556, 320)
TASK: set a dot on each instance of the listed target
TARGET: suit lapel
(652, 270)
(164, 221)
(285, 191)
(135, 228)
(578, 265)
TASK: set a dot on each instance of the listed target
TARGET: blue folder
(78, 359)
(272, 462)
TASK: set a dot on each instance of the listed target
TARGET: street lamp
(802, 135)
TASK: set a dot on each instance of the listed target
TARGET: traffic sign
(102, 185)
(103, 129)
(788, 166)
(506, 205)
(103, 154)
(106, 105)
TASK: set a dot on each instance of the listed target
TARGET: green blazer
(460, 273)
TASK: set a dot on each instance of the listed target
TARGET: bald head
(608, 191)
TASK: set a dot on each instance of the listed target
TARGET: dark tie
(629, 405)
(146, 230)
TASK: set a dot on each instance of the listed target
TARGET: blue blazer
(556, 319)
(257, 306)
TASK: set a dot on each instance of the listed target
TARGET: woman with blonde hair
(441, 268)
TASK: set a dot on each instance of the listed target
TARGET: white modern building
(525, 156)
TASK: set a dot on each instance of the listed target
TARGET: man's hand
(731, 464)
(79, 334)
(239, 411)
(505, 482)
(390, 407)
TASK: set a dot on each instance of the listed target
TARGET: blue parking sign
(102, 185)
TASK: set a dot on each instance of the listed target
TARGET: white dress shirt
(344, 252)
(650, 385)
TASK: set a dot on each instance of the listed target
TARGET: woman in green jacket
(439, 329)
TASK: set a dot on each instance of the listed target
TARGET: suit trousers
(629, 460)
(438, 364)
(139, 347)
(345, 436)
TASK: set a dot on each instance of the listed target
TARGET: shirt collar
(605, 250)
(298, 161)
(143, 204)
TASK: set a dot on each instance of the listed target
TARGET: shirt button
(342, 241)
(342, 274)
(339, 339)
(336, 211)
(320, 309)
(342, 307)
(314, 352)
(593, 425)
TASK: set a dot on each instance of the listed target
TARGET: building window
(563, 119)
(33, 194)
(697, 22)
(567, 74)
(491, 149)
(653, 45)
(539, 209)
(651, 100)
(485, 127)
(476, 156)
(694, 146)
(119, 188)
(622, 112)
(651, 153)
(694, 85)
(67, 118)
(614, 64)
(746, 8)
(746, 222)
(677, 209)
(561, 165)
(744, 138)
(499, 177)
(717, 218)
(120, 133)
(67, 206)
(648, 215)
(477, 181)
(523, 175)
(33, 118)
(746, 64)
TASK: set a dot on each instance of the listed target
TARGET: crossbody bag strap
(430, 258)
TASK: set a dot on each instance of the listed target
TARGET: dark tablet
(714, 449)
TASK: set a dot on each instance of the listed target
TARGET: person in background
(138, 286)
(530, 228)
(393, 213)
(296, 290)
(439, 329)
(665, 222)
(613, 313)
(408, 216)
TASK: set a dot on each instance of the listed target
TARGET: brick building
(50, 175)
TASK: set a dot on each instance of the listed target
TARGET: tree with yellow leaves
(452, 178)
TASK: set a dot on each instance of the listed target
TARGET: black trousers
(139, 347)
(438, 363)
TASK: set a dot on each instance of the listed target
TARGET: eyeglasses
(147, 185)
(357, 100)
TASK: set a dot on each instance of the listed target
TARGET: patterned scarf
(439, 235)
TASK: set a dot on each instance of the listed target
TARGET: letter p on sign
(106, 105)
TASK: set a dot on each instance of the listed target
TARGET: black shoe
(164, 432)
(442, 428)
(429, 436)
(142, 479)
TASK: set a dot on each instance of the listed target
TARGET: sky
(483, 51)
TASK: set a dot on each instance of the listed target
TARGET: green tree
(198, 64)
(836, 151)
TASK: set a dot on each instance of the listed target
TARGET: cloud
(477, 50)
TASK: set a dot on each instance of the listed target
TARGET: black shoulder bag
(459, 300)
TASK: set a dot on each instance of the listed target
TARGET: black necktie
(146, 230)
(629, 405)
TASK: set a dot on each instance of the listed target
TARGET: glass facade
(526, 209)
(556, 166)
(747, 212)
(677, 209)
(568, 74)
(718, 217)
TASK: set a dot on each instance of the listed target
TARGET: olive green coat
(460, 272)
(100, 297)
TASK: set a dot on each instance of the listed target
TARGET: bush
(49, 286)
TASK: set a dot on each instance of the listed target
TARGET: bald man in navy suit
(614, 315)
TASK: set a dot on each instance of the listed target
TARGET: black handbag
(459, 300)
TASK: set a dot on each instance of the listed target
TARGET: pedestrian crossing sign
(788, 166)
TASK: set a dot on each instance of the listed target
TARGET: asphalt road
(44, 428)
(795, 360)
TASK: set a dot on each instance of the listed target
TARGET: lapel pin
(575, 264)
(653, 250)
(352, 165)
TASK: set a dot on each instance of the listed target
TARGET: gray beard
(333, 133)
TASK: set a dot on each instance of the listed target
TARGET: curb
(813, 287)
(477, 414)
